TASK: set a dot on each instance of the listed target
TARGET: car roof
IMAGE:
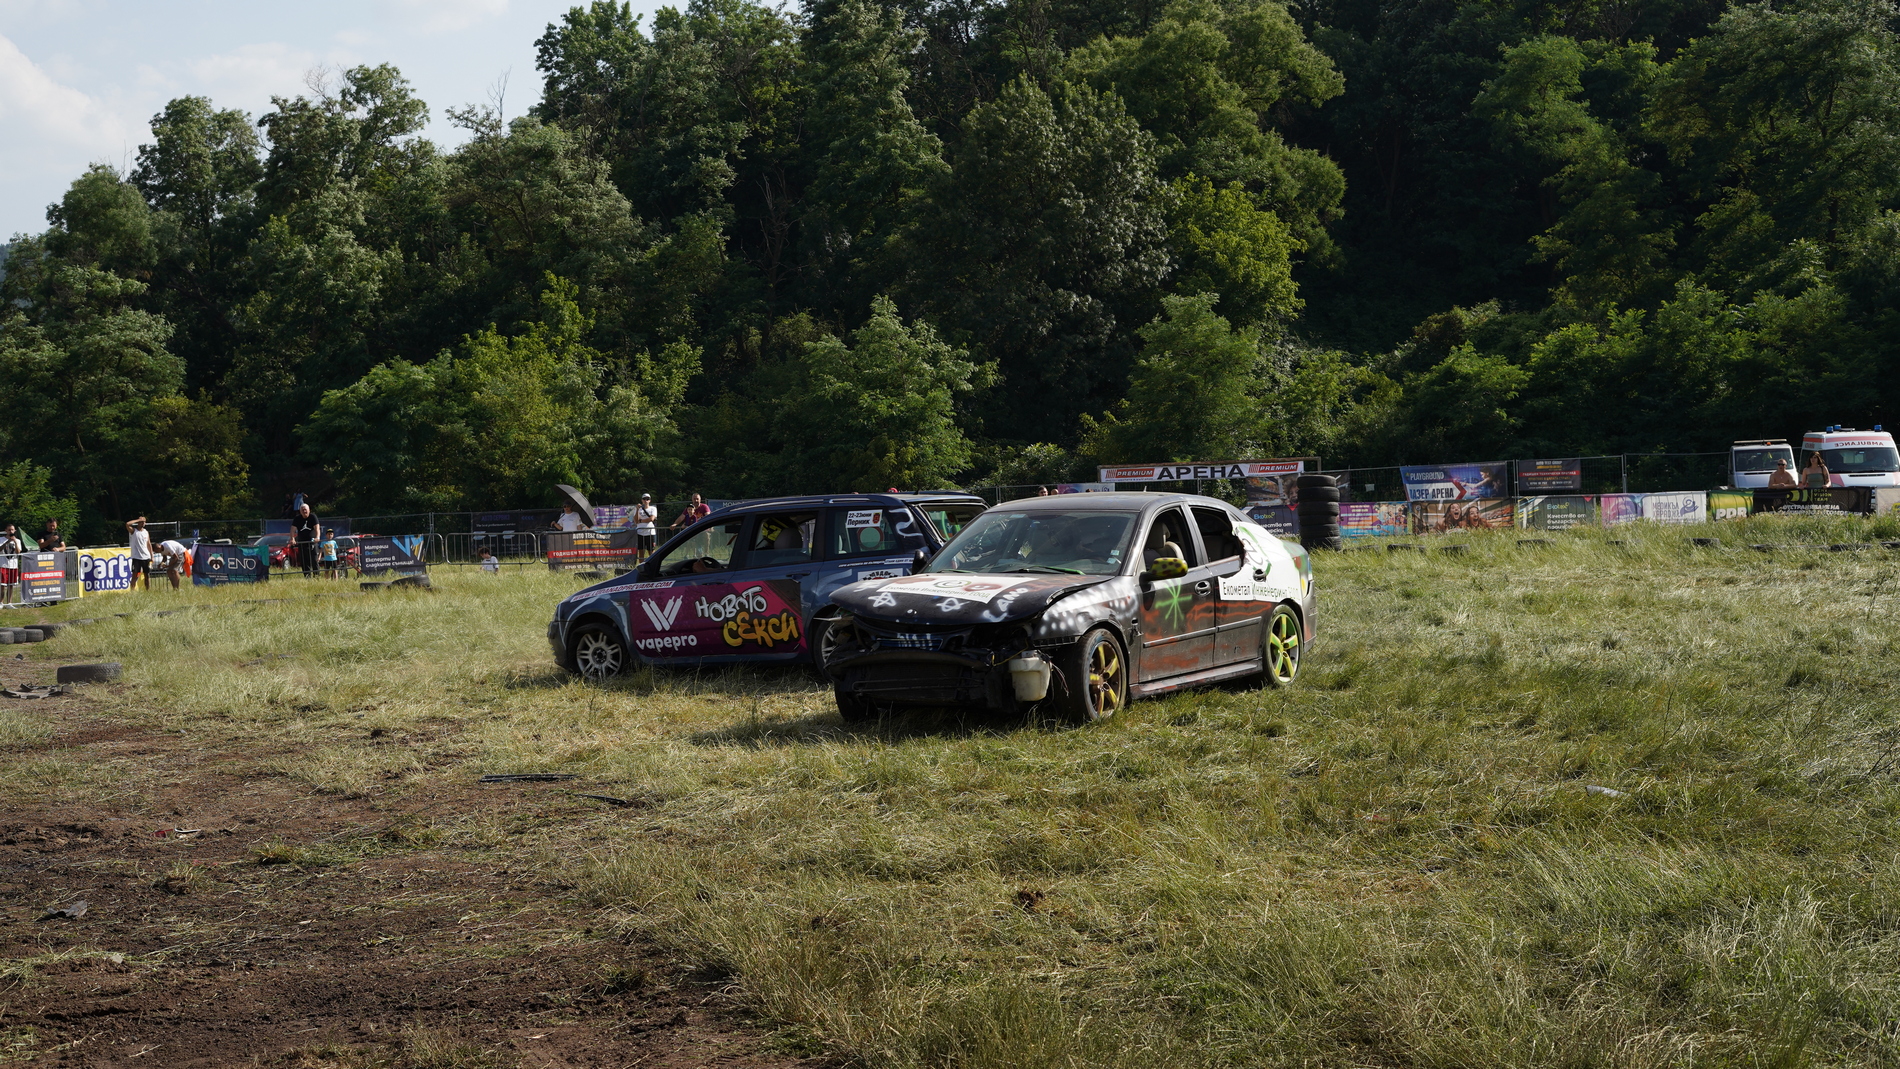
(1113, 501)
(771, 504)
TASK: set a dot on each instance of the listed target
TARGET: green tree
(28, 500)
(1194, 394)
(1227, 245)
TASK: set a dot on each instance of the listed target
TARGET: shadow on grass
(896, 726)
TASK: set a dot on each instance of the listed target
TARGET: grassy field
(1568, 804)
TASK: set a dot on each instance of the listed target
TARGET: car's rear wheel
(853, 708)
(1281, 647)
(1094, 680)
(824, 637)
(597, 652)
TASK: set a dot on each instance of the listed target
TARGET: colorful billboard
(1282, 520)
(1456, 482)
(1436, 517)
(1684, 507)
(1548, 476)
(1730, 504)
(1613, 509)
(105, 571)
(1559, 513)
(1373, 519)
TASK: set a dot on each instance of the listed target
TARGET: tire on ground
(28, 634)
(597, 652)
(106, 672)
(1092, 678)
(853, 708)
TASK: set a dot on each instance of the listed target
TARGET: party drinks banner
(1456, 482)
(1556, 513)
(1373, 519)
(1548, 476)
(104, 571)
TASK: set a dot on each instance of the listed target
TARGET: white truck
(1752, 463)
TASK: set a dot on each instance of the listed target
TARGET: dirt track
(310, 930)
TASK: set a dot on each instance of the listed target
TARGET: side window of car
(1217, 533)
(863, 532)
(782, 538)
(708, 549)
(1169, 537)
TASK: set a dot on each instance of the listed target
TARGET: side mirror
(1164, 568)
(918, 562)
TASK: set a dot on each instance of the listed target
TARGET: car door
(1239, 613)
(866, 541)
(759, 607)
(667, 611)
(1178, 616)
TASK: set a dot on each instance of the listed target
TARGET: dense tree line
(754, 250)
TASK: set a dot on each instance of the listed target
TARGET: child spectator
(329, 554)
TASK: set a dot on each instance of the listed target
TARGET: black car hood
(952, 598)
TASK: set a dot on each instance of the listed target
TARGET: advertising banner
(1455, 482)
(585, 549)
(1613, 509)
(1081, 488)
(692, 620)
(1548, 476)
(105, 571)
(1176, 473)
(1730, 504)
(1676, 508)
(1281, 520)
(1822, 501)
(1373, 519)
(217, 565)
(1887, 501)
(1559, 513)
(42, 578)
(1437, 517)
(390, 554)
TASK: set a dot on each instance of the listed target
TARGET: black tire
(1306, 482)
(597, 652)
(853, 708)
(6, 636)
(821, 641)
(1318, 494)
(49, 630)
(28, 634)
(1282, 645)
(108, 672)
(1093, 682)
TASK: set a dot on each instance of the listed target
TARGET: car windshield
(1760, 460)
(1847, 461)
(950, 520)
(1040, 541)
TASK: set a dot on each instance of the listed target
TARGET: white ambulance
(1853, 458)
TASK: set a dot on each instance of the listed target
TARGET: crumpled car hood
(950, 598)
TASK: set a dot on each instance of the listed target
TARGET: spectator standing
(50, 538)
(489, 563)
(1816, 473)
(571, 520)
(1781, 478)
(304, 533)
(11, 547)
(141, 542)
(645, 536)
(329, 554)
(695, 511)
(169, 559)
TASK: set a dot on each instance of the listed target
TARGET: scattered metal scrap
(72, 910)
(26, 691)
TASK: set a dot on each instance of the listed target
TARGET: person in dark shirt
(50, 538)
(304, 533)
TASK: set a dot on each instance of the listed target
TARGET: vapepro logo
(662, 616)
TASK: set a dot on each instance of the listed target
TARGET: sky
(81, 79)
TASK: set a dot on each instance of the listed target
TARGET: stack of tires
(1319, 512)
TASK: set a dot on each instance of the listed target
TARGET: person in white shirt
(571, 520)
(170, 559)
(489, 563)
(646, 534)
(141, 542)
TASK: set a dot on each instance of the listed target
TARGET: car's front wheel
(1281, 647)
(597, 652)
(1094, 678)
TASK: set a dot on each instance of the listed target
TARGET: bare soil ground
(237, 918)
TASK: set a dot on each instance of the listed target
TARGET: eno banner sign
(105, 571)
(1180, 473)
(218, 565)
(1548, 476)
(1455, 482)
